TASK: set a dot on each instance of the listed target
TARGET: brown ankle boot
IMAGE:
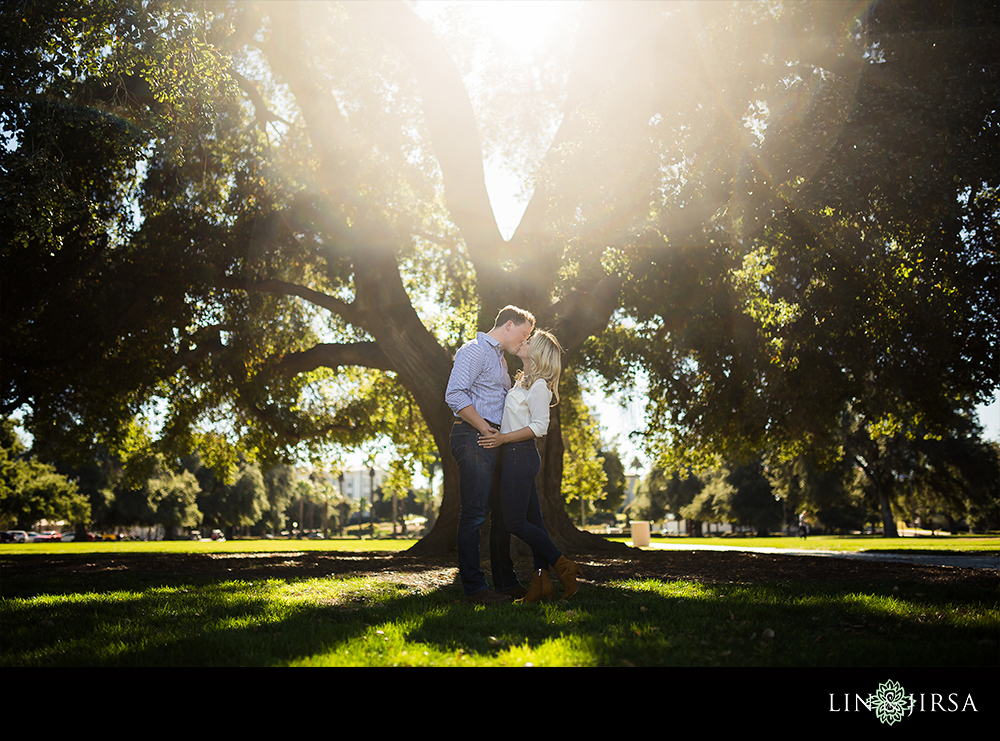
(541, 586)
(534, 590)
(567, 572)
(547, 590)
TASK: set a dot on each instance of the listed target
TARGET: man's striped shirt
(479, 377)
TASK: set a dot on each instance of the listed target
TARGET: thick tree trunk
(567, 536)
(443, 537)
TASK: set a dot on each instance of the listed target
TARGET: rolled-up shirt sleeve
(539, 398)
(468, 366)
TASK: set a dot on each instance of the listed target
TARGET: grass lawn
(108, 615)
(207, 546)
(867, 543)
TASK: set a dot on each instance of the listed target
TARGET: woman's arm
(495, 438)
(538, 399)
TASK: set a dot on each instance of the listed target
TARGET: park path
(970, 560)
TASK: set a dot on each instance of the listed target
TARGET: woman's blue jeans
(479, 482)
(522, 513)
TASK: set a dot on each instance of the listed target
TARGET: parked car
(49, 536)
(29, 536)
(218, 535)
(68, 537)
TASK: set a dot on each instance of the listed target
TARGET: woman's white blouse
(527, 408)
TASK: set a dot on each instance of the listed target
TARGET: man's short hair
(514, 314)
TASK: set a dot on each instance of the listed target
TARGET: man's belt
(460, 421)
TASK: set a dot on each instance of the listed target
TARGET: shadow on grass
(228, 623)
(651, 623)
(111, 616)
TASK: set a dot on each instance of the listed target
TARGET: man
(476, 392)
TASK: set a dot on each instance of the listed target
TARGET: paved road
(956, 560)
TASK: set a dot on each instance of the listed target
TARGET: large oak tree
(275, 216)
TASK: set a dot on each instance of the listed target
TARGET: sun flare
(523, 25)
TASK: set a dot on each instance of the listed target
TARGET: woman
(525, 417)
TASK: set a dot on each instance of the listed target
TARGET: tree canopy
(273, 218)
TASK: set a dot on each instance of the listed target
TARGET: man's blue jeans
(479, 481)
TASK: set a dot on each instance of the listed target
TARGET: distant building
(357, 482)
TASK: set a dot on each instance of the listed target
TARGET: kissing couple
(493, 440)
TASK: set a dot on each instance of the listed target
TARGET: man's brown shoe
(487, 597)
(516, 593)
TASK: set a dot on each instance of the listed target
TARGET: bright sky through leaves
(523, 27)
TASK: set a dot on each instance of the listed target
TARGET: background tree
(93, 471)
(126, 504)
(583, 479)
(248, 500)
(828, 496)
(279, 484)
(660, 494)
(614, 489)
(955, 478)
(753, 503)
(825, 284)
(711, 502)
(173, 498)
(984, 510)
(650, 501)
(300, 507)
(397, 482)
(31, 490)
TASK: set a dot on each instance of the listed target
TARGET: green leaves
(31, 490)
(828, 279)
(584, 479)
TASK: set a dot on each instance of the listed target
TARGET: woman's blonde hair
(546, 363)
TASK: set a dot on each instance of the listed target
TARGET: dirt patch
(437, 573)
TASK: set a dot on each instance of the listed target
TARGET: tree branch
(282, 288)
(327, 127)
(582, 314)
(263, 114)
(452, 125)
(366, 354)
(208, 341)
(276, 422)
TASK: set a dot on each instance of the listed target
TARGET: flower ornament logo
(890, 702)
